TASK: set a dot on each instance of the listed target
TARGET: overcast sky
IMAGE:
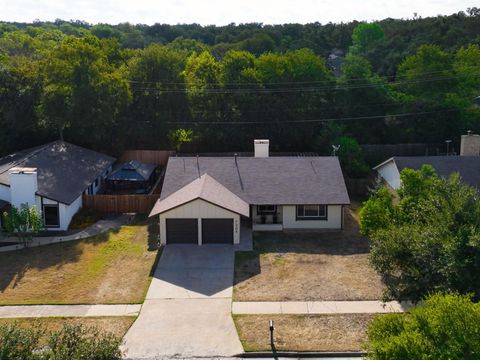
(221, 12)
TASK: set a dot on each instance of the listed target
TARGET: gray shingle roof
(467, 166)
(263, 181)
(64, 170)
(205, 188)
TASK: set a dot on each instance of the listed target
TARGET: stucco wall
(199, 209)
(390, 173)
(334, 219)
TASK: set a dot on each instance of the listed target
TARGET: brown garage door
(217, 231)
(182, 231)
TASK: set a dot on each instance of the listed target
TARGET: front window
(311, 212)
(266, 209)
(50, 215)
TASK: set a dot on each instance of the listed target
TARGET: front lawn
(117, 326)
(110, 268)
(339, 332)
(300, 266)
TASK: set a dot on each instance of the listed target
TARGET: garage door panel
(217, 231)
(182, 231)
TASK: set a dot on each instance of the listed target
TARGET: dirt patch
(109, 268)
(307, 266)
(339, 332)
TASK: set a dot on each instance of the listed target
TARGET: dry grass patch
(301, 266)
(339, 332)
(109, 268)
(117, 326)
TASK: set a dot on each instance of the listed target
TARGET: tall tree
(83, 95)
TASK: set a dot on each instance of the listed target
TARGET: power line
(291, 90)
(303, 121)
(285, 82)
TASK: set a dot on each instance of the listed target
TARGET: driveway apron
(187, 311)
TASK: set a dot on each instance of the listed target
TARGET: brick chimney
(470, 144)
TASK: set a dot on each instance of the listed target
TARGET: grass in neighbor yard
(338, 332)
(308, 266)
(117, 326)
(109, 268)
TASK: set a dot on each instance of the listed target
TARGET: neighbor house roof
(64, 170)
(133, 171)
(264, 181)
(467, 166)
(205, 188)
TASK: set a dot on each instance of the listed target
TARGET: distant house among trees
(467, 164)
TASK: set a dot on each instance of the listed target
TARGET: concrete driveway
(187, 311)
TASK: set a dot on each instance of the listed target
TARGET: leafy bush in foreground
(73, 342)
(443, 327)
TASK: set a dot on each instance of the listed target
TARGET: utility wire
(288, 82)
(303, 121)
(291, 90)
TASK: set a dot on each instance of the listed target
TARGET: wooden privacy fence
(157, 157)
(118, 204)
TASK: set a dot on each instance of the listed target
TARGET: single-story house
(53, 177)
(206, 199)
(133, 176)
(467, 164)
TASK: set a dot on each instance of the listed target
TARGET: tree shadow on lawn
(14, 265)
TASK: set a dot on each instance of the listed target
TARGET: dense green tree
(84, 96)
(351, 157)
(158, 84)
(365, 36)
(443, 327)
(428, 239)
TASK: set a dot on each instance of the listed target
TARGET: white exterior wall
(334, 219)
(65, 212)
(5, 193)
(199, 209)
(68, 211)
(389, 172)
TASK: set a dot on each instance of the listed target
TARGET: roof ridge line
(38, 151)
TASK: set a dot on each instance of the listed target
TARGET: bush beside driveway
(110, 268)
(307, 266)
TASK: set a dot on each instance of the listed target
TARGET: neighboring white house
(205, 199)
(467, 164)
(53, 177)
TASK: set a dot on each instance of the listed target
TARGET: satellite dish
(335, 149)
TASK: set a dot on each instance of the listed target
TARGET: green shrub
(18, 343)
(443, 327)
(75, 342)
(72, 342)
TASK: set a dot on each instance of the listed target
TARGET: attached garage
(182, 231)
(217, 231)
(202, 212)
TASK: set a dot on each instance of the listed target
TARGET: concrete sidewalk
(97, 228)
(319, 307)
(34, 311)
